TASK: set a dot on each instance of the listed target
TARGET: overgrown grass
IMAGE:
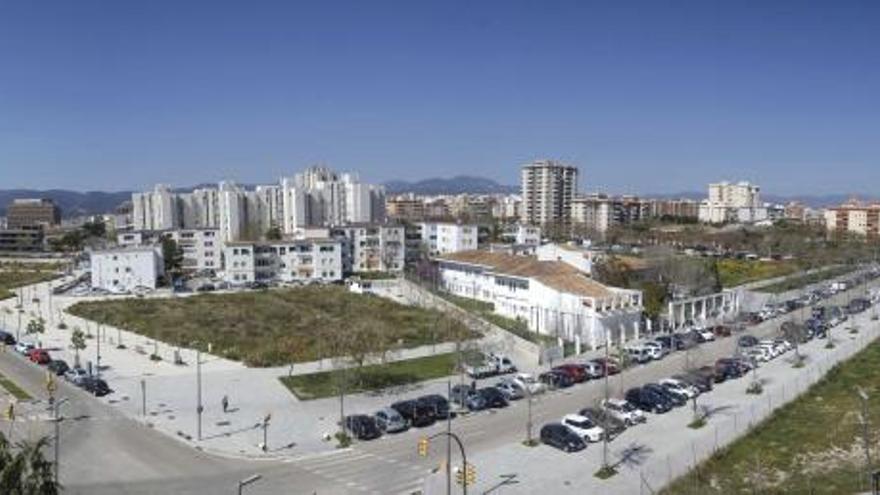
(11, 278)
(733, 272)
(486, 311)
(272, 328)
(371, 377)
(805, 280)
(13, 388)
(811, 445)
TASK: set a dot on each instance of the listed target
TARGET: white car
(529, 383)
(583, 427)
(679, 387)
(656, 350)
(624, 411)
(761, 354)
(774, 348)
(24, 348)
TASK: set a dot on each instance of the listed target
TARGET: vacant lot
(812, 445)
(271, 328)
(733, 272)
(371, 377)
(10, 278)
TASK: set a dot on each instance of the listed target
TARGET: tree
(173, 257)
(94, 229)
(24, 470)
(273, 234)
(36, 326)
(77, 342)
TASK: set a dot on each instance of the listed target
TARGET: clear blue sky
(651, 96)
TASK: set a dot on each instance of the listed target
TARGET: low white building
(130, 239)
(202, 248)
(552, 297)
(283, 261)
(578, 257)
(524, 235)
(443, 238)
(124, 269)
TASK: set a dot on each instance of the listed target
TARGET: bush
(155, 357)
(755, 388)
(344, 441)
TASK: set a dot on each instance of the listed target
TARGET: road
(105, 452)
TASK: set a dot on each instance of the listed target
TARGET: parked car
(656, 350)
(601, 418)
(491, 365)
(58, 366)
(747, 341)
(493, 397)
(529, 383)
(648, 400)
(574, 371)
(639, 354)
(609, 366)
(415, 413)
(390, 421)
(438, 405)
(465, 396)
(721, 331)
(206, 288)
(700, 382)
(560, 436)
(39, 356)
(555, 379)
(680, 387)
(703, 335)
(24, 348)
(7, 338)
(95, 386)
(593, 370)
(583, 427)
(728, 369)
(676, 399)
(362, 427)
(75, 375)
(510, 390)
(624, 411)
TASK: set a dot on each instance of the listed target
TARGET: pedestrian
(474, 385)
(225, 403)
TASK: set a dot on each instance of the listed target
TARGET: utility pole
(449, 442)
(605, 379)
(57, 442)
(199, 407)
(143, 397)
(98, 347)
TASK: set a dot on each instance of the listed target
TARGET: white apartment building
(524, 235)
(153, 210)
(371, 247)
(552, 297)
(122, 270)
(728, 202)
(283, 261)
(548, 188)
(508, 207)
(854, 217)
(202, 248)
(443, 238)
(129, 239)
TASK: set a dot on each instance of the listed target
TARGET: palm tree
(24, 470)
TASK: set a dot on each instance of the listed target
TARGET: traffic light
(423, 447)
(466, 476)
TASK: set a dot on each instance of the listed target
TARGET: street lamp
(57, 419)
(247, 481)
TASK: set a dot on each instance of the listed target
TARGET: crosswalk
(363, 472)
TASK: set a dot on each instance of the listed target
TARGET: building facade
(307, 260)
(443, 238)
(32, 214)
(123, 270)
(548, 189)
(854, 217)
(728, 202)
(202, 249)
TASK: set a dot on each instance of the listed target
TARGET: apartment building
(125, 269)
(599, 212)
(548, 189)
(407, 207)
(202, 248)
(371, 247)
(551, 297)
(443, 238)
(675, 208)
(283, 261)
(728, 202)
(854, 217)
(523, 235)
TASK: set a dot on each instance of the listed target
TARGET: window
(209, 244)
(245, 252)
(128, 269)
(235, 252)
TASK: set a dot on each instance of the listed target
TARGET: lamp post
(199, 407)
(56, 406)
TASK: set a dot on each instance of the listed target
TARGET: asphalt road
(103, 452)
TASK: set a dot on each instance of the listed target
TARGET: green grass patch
(11, 278)
(486, 311)
(733, 272)
(805, 280)
(697, 423)
(605, 472)
(13, 388)
(370, 377)
(811, 445)
(375, 275)
(273, 328)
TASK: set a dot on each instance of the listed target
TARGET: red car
(39, 356)
(610, 366)
(574, 371)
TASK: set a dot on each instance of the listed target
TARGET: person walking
(225, 403)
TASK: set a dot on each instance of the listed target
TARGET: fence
(722, 430)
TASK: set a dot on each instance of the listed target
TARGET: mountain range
(75, 203)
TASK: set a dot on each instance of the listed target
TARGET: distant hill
(455, 185)
(72, 203)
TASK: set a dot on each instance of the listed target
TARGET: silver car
(510, 390)
(390, 421)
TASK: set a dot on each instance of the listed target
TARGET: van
(639, 354)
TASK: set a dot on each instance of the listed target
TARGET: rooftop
(554, 274)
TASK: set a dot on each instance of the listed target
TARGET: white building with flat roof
(576, 256)
(202, 248)
(283, 261)
(443, 238)
(552, 297)
(124, 269)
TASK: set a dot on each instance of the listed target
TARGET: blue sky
(655, 96)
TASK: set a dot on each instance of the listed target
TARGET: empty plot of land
(278, 327)
(12, 276)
